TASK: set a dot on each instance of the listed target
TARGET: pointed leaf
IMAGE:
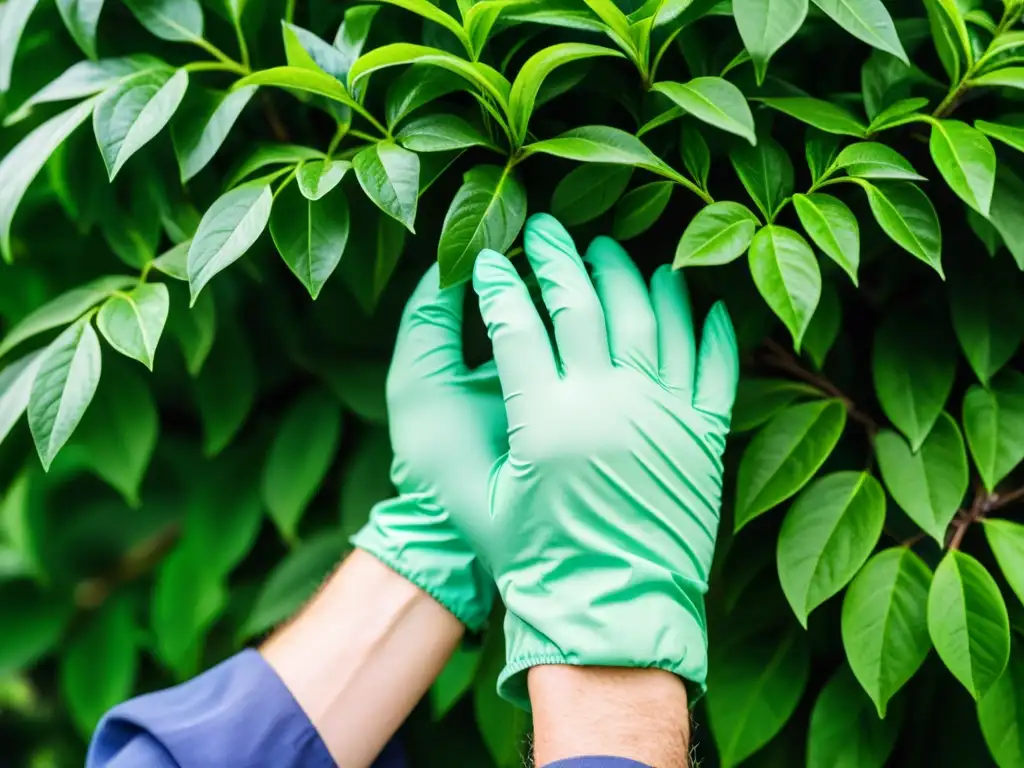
(588, 191)
(1006, 539)
(15, 386)
(871, 160)
(318, 177)
(640, 208)
(966, 160)
(715, 101)
(390, 177)
(602, 144)
(906, 215)
(987, 318)
(272, 154)
(133, 322)
(175, 20)
(766, 173)
(718, 234)
(994, 425)
(786, 274)
(201, 130)
(833, 228)
(440, 133)
(758, 400)
(823, 115)
(867, 20)
(310, 235)
(765, 26)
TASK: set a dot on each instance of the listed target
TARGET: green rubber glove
(605, 509)
(447, 425)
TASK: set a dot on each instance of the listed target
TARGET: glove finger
(631, 327)
(568, 294)
(718, 366)
(522, 351)
(429, 343)
(676, 345)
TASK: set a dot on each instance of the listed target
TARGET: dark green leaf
(588, 191)
(987, 319)
(994, 426)
(640, 208)
(1001, 712)
(757, 400)
(767, 174)
(310, 235)
(226, 389)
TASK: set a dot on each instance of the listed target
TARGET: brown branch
(277, 127)
(965, 518)
(139, 560)
(1000, 500)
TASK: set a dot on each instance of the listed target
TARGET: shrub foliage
(180, 178)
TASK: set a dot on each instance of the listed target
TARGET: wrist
(637, 714)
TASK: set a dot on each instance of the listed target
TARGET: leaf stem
(243, 49)
(213, 66)
(339, 134)
(965, 518)
(219, 55)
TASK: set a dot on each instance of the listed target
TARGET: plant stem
(243, 49)
(339, 134)
(219, 55)
(213, 66)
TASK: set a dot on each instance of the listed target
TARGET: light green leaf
(785, 454)
(844, 730)
(867, 20)
(1007, 77)
(715, 101)
(302, 452)
(786, 274)
(440, 132)
(310, 235)
(431, 12)
(884, 622)
(304, 49)
(1001, 713)
(175, 20)
(827, 535)
(455, 680)
(755, 682)
(1010, 135)
(390, 177)
(531, 76)
(227, 230)
(966, 160)
(1006, 539)
(133, 322)
(640, 208)
(420, 84)
(833, 228)
(907, 216)
(949, 32)
(871, 160)
(63, 388)
(15, 386)
(766, 173)
(200, 131)
(318, 177)
(897, 113)
(758, 400)
(300, 79)
(130, 115)
(987, 318)
(225, 390)
(968, 623)
(588, 191)
(99, 665)
(13, 20)
(272, 154)
(994, 426)
(765, 26)
(354, 31)
(20, 166)
(488, 211)
(718, 234)
(928, 484)
(823, 115)
(81, 17)
(1006, 213)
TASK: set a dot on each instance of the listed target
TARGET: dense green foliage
(846, 174)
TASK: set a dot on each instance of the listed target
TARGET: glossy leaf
(907, 216)
(588, 191)
(440, 133)
(389, 175)
(993, 420)
(823, 115)
(310, 235)
(765, 26)
(15, 386)
(757, 400)
(133, 322)
(718, 234)
(640, 208)
(987, 320)
(787, 275)
(715, 101)
(318, 177)
(602, 144)
(271, 154)
(1006, 539)
(417, 86)
(200, 132)
(1001, 712)
(966, 160)
(871, 160)
(867, 20)
(15, 19)
(832, 227)
(766, 173)
(175, 20)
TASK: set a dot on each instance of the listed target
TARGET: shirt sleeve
(597, 762)
(239, 713)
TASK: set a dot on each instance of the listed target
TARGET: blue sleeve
(239, 713)
(597, 762)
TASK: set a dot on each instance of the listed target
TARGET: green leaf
(786, 274)
(303, 450)
(987, 319)
(871, 160)
(195, 328)
(64, 386)
(300, 79)
(695, 153)
(420, 84)
(82, 17)
(502, 725)
(588, 191)
(718, 234)
(374, 253)
(20, 166)
(985, 232)
(823, 115)
(64, 309)
(15, 386)
(366, 479)
(755, 682)
(118, 434)
(523, 95)
(354, 31)
(821, 150)
(823, 330)
(304, 49)
(827, 535)
(1006, 539)
(767, 174)
(318, 177)
(455, 680)
(785, 454)
(907, 216)
(884, 622)
(765, 26)
(440, 133)
(292, 582)
(968, 623)
(133, 322)
(844, 729)
(928, 484)
(950, 35)
(966, 160)
(867, 20)
(758, 400)
(994, 426)
(227, 230)
(200, 131)
(12, 26)
(1010, 135)
(130, 115)
(99, 665)
(896, 114)
(272, 154)
(1007, 77)
(431, 12)
(914, 366)
(40, 618)
(1001, 713)
(640, 208)
(488, 211)
(310, 235)
(1006, 213)
(225, 390)
(390, 175)
(175, 20)
(833, 228)
(715, 101)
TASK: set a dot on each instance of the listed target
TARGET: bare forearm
(640, 714)
(361, 655)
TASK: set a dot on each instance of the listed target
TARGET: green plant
(864, 158)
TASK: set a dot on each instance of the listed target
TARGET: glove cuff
(417, 541)
(656, 620)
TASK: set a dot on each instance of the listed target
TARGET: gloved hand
(605, 509)
(447, 425)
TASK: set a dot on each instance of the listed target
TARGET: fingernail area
(489, 265)
(543, 229)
